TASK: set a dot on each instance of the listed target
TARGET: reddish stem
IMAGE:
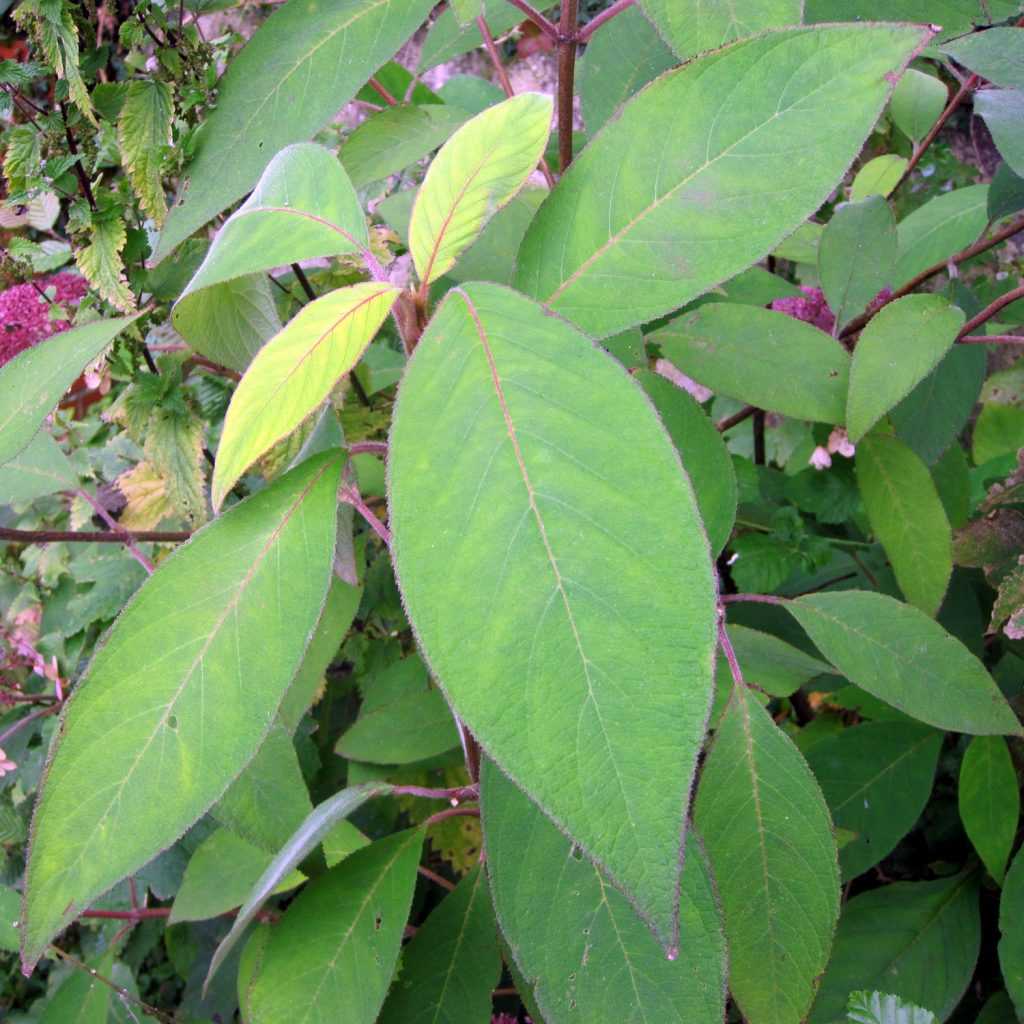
(452, 812)
(91, 536)
(548, 27)
(752, 598)
(435, 878)
(383, 93)
(139, 914)
(129, 541)
(456, 795)
(737, 417)
(591, 27)
(992, 339)
(368, 448)
(991, 310)
(566, 72)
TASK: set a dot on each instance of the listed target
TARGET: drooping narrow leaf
(1002, 110)
(769, 839)
(703, 453)
(876, 779)
(452, 965)
(303, 64)
(989, 798)
(994, 54)
(309, 834)
(857, 256)
(917, 940)
(1011, 927)
(180, 695)
(939, 228)
(770, 663)
(907, 516)
(294, 373)
(477, 172)
(905, 658)
(762, 357)
(578, 943)
(525, 575)
(901, 345)
(332, 956)
(917, 102)
(622, 241)
(40, 468)
(34, 381)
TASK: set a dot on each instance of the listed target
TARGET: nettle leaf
(857, 256)
(101, 264)
(767, 662)
(762, 357)
(576, 939)
(333, 954)
(903, 343)
(142, 726)
(944, 225)
(1011, 927)
(694, 26)
(876, 779)
(917, 940)
(989, 799)
(452, 964)
(769, 838)
(702, 451)
(143, 135)
(527, 580)
(294, 373)
(876, 1008)
(1002, 110)
(907, 516)
(917, 102)
(35, 380)
(481, 167)
(621, 240)
(174, 448)
(39, 469)
(994, 54)
(304, 63)
(903, 657)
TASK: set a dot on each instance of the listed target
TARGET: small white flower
(820, 458)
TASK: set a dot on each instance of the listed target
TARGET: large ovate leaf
(477, 172)
(769, 839)
(178, 698)
(294, 373)
(622, 240)
(452, 965)
(528, 581)
(989, 800)
(303, 64)
(995, 55)
(331, 957)
(762, 357)
(876, 779)
(906, 659)
(578, 943)
(1011, 927)
(35, 380)
(942, 226)
(916, 940)
(907, 516)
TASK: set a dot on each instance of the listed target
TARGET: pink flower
(839, 442)
(810, 307)
(25, 314)
(6, 764)
(820, 458)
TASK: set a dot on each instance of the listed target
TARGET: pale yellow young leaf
(146, 493)
(294, 373)
(143, 133)
(481, 167)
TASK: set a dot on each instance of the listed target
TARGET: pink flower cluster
(810, 307)
(25, 314)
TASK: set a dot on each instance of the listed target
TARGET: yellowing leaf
(100, 261)
(478, 171)
(294, 372)
(146, 493)
(143, 130)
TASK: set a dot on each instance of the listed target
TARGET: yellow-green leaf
(101, 264)
(143, 132)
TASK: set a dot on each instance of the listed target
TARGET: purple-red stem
(351, 496)
(368, 448)
(456, 795)
(548, 27)
(753, 599)
(22, 722)
(991, 310)
(590, 28)
(452, 812)
(566, 72)
(91, 536)
(129, 541)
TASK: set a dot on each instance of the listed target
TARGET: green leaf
(955, 16)
(901, 345)
(316, 826)
(577, 941)
(622, 241)
(101, 263)
(481, 167)
(467, 10)
(953, 483)
(403, 719)
(81, 998)
(989, 798)
(802, 245)
(144, 135)
(702, 451)
(39, 469)
(762, 357)
(174, 448)
(530, 543)
(448, 39)
(35, 380)
(878, 177)
(1005, 194)
(876, 1008)
(396, 137)
(293, 374)
(332, 956)
(997, 1010)
(1002, 110)
(856, 257)
(876, 779)
(907, 516)
(219, 876)
(900, 655)
(943, 226)
(10, 912)
(452, 964)
(917, 102)
(769, 838)
(695, 26)
(773, 665)
(620, 59)
(141, 722)
(302, 65)
(994, 54)
(917, 940)
(1011, 927)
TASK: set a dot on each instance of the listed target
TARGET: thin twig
(730, 656)
(20, 724)
(452, 812)
(606, 15)
(436, 878)
(455, 795)
(753, 599)
(129, 541)
(136, 914)
(91, 536)
(566, 72)
(378, 87)
(991, 310)
(737, 417)
(546, 25)
(300, 276)
(377, 447)
(992, 339)
(83, 178)
(759, 445)
(349, 494)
